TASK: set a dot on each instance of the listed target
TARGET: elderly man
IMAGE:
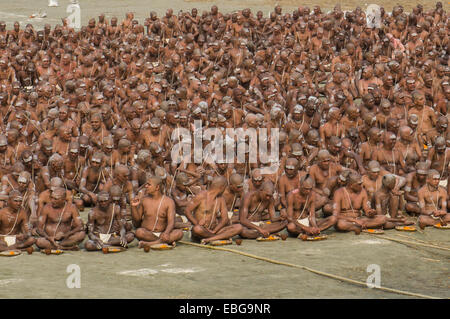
(60, 226)
(106, 225)
(209, 215)
(251, 213)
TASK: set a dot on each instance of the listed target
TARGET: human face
(103, 203)
(325, 164)
(15, 203)
(257, 180)
(123, 176)
(73, 154)
(95, 123)
(95, 162)
(57, 200)
(356, 187)
(57, 166)
(290, 171)
(150, 188)
(434, 181)
(266, 195)
(237, 187)
(421, 177)
(306, 190)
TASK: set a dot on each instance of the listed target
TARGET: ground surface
(191, 272)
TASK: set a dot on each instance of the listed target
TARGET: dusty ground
(191, 272)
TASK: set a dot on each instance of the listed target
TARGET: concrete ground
(193, 272)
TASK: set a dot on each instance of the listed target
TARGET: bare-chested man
(301, 212)
(93, 178)
(209, 215)
(348, 202)
(433, 202)
(251, 213)
(14, 231)
(387, 201)
(106, 225)
(154, 216)
(323, 172)
(60, 226)
(290, 180)
(415, 181)
(233, 196)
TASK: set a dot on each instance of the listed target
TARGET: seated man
(251, 213)
(14, 232)
(289, 180)
(415, 181)
(348, 202)
(301, 211)
(154, 216)
(433, 202)
(323, 173)
(106, 225)
(44, 197)
(387, 201)
(93, 179)
(60, 225)
(233, 195)
(209, 215)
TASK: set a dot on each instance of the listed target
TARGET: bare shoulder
(168, 200)
(72, 207)
(338, 193)
(422, 190)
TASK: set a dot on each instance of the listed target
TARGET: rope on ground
(340, 278)
(438, 244)
(412, 242)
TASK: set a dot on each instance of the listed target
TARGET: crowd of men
(88, 118)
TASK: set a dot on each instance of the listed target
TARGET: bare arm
(191, 207)
(223, 216)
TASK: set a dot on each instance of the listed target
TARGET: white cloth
(259, 224)
(230, 214)
(184, 219)
(443, 183)
(105, 237)
(9, 240)
(304, 221)
(157, 234)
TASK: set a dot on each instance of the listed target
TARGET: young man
(433, 202)
(154, 216)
